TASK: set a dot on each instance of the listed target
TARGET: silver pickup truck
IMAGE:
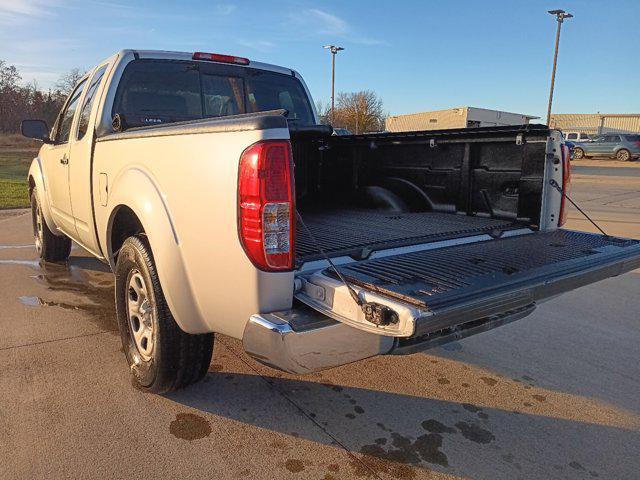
(207, 184)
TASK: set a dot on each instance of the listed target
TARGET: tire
(50, 247)
(578, 153)
(161, 356)
(623, 155)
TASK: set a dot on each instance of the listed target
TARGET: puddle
(28, 263)
(188, 426)
(294, 466)
(31, 301)
(85, 284)
(475, 433)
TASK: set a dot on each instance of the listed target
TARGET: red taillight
(566, 185)
(217, 57)
(266, 204)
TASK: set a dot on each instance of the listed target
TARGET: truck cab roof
(171, 55)
(121, 59)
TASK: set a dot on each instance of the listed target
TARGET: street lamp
(560, 16)
(333, 49)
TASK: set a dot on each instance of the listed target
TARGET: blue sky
(417, 55)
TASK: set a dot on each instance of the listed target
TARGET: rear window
(632, 138)
(572, 136)
(155, 92)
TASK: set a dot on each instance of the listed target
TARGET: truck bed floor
(348, 232)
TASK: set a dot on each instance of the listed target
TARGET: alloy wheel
(38, 228)
(140, 314)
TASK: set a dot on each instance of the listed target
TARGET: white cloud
(225, 9)
(330, 26)
(20, 10)
(259, 45)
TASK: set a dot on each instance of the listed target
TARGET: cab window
(153, 92)
(66, 116)
(83, 122)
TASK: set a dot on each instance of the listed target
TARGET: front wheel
(623, 155)
(50, 247)
(578, 153)
(160, 355)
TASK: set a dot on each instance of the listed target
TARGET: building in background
(596, 123)
(461, 117)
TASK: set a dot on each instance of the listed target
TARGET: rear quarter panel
(184, 190)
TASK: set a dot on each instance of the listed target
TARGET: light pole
(333, 49)
(560, 16)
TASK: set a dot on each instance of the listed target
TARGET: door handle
(64, 160)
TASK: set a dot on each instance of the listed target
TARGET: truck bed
(355, 232)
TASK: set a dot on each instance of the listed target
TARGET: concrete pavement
(555, 395)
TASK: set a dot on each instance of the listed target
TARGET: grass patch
(15, 141)
(14, 167)
(13, 194)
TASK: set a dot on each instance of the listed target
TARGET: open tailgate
(435, 290)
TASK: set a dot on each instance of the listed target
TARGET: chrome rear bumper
(274, 340)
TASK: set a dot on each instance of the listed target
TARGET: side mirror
(36, 129)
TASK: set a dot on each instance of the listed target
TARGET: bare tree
(359, 112)
(18, 101)
(68, 81)
(9, 76)
(324, 112)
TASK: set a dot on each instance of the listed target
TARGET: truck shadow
(397, 433)
(407, 436)
(583, 343)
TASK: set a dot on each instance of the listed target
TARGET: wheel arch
(37, 182)
(136, 207)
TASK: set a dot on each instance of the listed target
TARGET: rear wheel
(160, 355)
(623, 155)
(50, 247)
(578, 153)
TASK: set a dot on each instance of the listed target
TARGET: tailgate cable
(375, 313)
(555, 185)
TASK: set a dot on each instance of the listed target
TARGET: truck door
(80, 145)
(56, 161)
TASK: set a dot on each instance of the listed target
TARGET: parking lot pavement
(552, 396)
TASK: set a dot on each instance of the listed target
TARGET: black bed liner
(465, 282)
(355, 232)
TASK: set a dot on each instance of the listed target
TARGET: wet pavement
(555, 395)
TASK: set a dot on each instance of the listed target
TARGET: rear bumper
(272, 340)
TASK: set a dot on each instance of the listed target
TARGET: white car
(177, 169)
(577, 137)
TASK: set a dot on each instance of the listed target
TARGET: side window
(83, 122)
(66, 117)
(572, 136)
(611, 138)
